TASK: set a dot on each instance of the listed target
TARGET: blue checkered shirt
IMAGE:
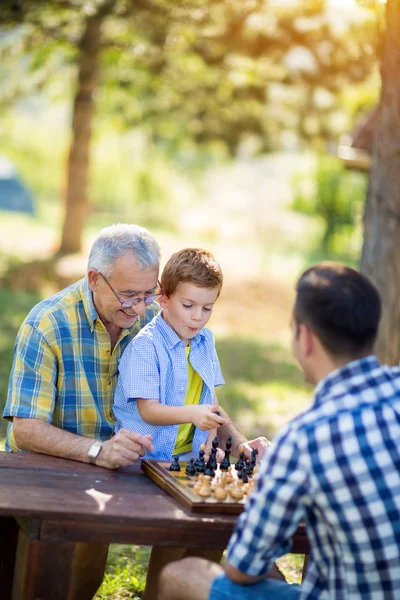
(337, 467)
(154, 366)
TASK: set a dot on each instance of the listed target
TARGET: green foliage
(125, 577)
(131, 182)
(13, 309)
(333, 195)
(198, 74)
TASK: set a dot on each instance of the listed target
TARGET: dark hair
(191, 265)
(341, 306)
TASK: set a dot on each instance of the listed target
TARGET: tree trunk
(76, 208)
(381, 250)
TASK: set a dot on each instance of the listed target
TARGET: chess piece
(220, 492)
(200, 462)
(191, 469)
(212, 462)
(254, 453)
(226, 463)
(237, 492)
(209, 470)
(175, 466)
(240, 463)
(205, 490)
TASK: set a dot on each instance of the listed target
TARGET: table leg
(42, 570)
(8, 550)
(161, 556)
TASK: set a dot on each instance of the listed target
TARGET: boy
(168, 373)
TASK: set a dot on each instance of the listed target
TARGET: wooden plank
(158, 472)
(194, 533)
(8, 550)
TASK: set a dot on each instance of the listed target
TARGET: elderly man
(65, 369)
(336, 466)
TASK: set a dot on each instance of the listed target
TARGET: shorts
(268, 589)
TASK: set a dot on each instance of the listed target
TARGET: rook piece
(175, 466)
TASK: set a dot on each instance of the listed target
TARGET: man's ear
(93, 278)
(163, 301)
(306, 338)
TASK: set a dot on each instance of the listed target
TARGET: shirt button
(109, 381)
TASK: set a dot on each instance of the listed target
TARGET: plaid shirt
(64, 371)
(154, 366)
(337, 467)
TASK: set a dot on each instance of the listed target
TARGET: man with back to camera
(336, 466)
(65, 369)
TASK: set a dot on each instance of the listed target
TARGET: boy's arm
(238, 440)
(202, 416)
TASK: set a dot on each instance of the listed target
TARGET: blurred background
(241, 127)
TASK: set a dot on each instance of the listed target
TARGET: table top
(72, 501)
(114, 505)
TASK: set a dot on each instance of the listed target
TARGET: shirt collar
(88, 304)
(339, 380)
(171, 337)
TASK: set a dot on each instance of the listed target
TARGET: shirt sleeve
(139, 370)
(263, 531)
(32, 390)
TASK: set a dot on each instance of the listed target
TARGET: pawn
(220, 492)
(205, 490)
(175, 466)
(190, 468)
(237, 493)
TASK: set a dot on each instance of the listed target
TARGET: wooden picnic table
(47, 504)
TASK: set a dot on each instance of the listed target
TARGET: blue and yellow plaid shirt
(64, 371)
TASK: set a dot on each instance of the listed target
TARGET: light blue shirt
(154, 366)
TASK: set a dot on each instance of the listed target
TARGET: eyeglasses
(134, 301)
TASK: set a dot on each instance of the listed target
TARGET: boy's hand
(205, 417)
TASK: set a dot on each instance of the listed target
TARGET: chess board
(180, 486)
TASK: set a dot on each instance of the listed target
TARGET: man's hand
(260, 443)
(205, 417)
(123, 449)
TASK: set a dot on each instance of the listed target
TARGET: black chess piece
(254, 453)
(190, 468)
(240, 463)
(175, 466)
(212, 462)
(226, 463)
(200, 463)
(214, 443)
(209, 470)
(248, 469)
(244, 477)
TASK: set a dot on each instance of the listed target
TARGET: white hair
(116, 240)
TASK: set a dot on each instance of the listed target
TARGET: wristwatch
(94, 451)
